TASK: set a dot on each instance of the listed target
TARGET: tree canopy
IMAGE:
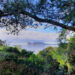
(23, 13)
(50, 61)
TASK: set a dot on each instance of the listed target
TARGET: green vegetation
(16, 62)
(17, 15)
(49, 61)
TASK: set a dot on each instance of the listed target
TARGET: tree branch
(50, 21)
(43, 20)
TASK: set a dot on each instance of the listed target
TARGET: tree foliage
(50, 61)
(22, 13)
(15, 62)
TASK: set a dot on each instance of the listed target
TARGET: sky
(31, 39)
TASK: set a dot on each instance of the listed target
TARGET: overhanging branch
(43, 20)
(50, 21)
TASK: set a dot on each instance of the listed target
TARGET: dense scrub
(14, 61)
(19, 62)
(50, 61)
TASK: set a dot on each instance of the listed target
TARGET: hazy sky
(31, 39)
